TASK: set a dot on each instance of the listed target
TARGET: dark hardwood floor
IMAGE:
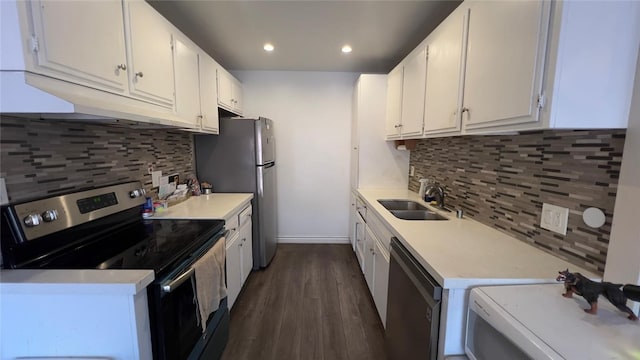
(312, 302)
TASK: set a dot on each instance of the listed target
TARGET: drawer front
(361, 207)
(232, 225)
(245, 215)
(382, 232)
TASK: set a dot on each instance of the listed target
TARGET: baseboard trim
(313, 240)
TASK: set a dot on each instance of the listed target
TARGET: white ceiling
(307, 35)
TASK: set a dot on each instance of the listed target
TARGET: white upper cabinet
(230, 95)
(208, 94)
(94, 56)
(504, 62)
(196, 94)
(443, 93)
(187, 78)
(405, 94)
(413, 87)
(504, 66)
(394, 103)
(150, 54)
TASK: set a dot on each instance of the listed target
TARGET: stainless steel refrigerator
(242, 159)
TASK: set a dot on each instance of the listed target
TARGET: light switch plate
(412, 170)
(554, 218)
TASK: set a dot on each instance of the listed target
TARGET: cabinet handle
(465, 110)
(122, 67)
(139, 74)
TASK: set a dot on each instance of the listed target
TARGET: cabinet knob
(465, 110)
(122, 67)
(139, 74)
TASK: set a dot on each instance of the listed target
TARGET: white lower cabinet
(234, 269)
(239, 252)
(380, 280)
(376, 271)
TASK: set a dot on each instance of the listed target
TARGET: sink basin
(401, 205)
(417, 215)
(410, 210)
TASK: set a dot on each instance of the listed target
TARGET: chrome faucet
(436, 191)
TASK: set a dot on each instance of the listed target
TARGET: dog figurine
(591, 290)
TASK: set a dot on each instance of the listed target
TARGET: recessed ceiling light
(268, 47)
(346, 49)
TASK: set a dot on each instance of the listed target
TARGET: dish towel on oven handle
(210, 281)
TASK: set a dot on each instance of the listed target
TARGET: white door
(369, 271)
(246, 249)
(82, 39)
(187, 92)
(225, 90)
(151, 57)
(234, 269)
(381, 278)
(394, 103)
(505, 53)
(208, 93)
(444, 75)
(413, 86)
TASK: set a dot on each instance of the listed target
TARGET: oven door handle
(173, 284)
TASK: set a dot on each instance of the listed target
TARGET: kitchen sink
(401, 205)
(410, 210)
(417, 215)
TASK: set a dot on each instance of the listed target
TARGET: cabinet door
(360, 241)
(208, 93)
(186, 72)
(353, 216)
(443, 93)
(83, 41)
(225, 90)
(234, 269)
(237, 96)
(381, 278)
(394, 103)
(413, 86)
(369, 271)
(151, 57)
(505, 54)
(246, 249)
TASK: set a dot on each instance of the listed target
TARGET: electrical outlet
(554, 218)
(412, 170)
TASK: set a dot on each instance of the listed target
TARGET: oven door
(176, 330)
(493, 334)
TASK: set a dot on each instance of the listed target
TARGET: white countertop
(212, 206)
(95, 281)
(460, 253)
(542, 310)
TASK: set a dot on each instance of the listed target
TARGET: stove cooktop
(147, 244)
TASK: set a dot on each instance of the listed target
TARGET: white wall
(623, 264)
(312, 114)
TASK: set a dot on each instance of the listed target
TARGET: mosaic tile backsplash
(502, 181)
(40, 158)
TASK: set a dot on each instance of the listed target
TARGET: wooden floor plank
(312, 302)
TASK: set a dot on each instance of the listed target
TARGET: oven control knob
(33, 220)
(50, 215)
(135, 193)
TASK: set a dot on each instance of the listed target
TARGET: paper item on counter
(155, 178)
(164, 180)
(165, 190)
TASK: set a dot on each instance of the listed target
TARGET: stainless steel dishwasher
(413, 308)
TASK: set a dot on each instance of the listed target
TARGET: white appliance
(537, 322)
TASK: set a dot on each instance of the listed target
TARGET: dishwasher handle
(425, 283)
